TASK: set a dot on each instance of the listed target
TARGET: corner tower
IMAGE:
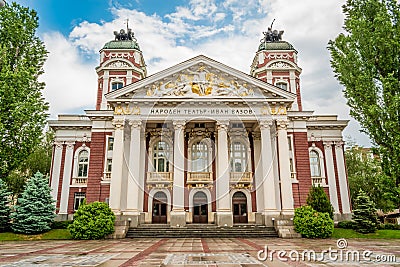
(121, 63)
(276, 63)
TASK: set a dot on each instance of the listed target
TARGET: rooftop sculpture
(272, 35)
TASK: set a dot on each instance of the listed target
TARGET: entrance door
(159, 208)
(239, 202)
(200, 208)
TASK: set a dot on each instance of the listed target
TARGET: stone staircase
(201, 230)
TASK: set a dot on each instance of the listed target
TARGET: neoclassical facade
(199, 142)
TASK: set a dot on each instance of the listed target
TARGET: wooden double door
(239, 203)
(160, 207)
(200, 208)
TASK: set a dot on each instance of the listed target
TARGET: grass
(380, 234)
(55, 234)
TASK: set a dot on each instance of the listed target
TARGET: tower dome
(275, 62)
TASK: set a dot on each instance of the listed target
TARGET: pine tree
(34, 211)
(5, 210)
(365, 216)
(319, 201)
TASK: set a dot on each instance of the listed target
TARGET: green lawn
(51, 235)
(380, 234)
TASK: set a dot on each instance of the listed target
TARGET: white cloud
(70, 82)
(192, 30)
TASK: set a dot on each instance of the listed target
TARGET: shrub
(60, 224)
(389, 226)
(92, 221)
(346, 224)
(34, 211)
(319, 201)
(311, 223)
(365, 218)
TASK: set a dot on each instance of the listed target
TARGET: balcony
(241, 179)
(199, 179)
(318, 181)
(106, 176)
(159, 179)
(79, 181)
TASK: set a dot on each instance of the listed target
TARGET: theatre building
(199, 142)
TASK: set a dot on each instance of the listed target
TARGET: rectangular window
(110, 143)
(78, 199)
(109, 165)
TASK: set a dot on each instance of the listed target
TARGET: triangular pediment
(203, 78)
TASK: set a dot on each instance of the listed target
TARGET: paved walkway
(192, 252)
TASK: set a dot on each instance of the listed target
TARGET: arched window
(83, 163)
(315, 166)
(282, 85)
(238, 157)
(160, 157)
(116, 85)
(200, 156)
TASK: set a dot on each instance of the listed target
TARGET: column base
(133, 219)
(224, 218)
(270, 218)
(287, 213)
(338, 217)
(177, 219)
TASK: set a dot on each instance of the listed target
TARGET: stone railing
(317, 181)
(106, 176)
(79, 181)
(159, 177)
(199, 178)
(241, 178)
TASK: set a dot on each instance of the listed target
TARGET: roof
(277, 45)
(125, 44)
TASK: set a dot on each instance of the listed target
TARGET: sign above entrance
(199, 111)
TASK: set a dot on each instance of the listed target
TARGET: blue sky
(169, 32)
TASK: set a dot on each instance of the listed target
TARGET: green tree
(38, 161)
(365, 217)
(5, 209)
(35, 209)
(366, 60)
(364, 171)
(319, 201)
(22, 106)
(92, 221)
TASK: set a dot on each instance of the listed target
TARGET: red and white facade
(199, 142)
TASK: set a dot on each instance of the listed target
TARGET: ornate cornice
(222, 125)
(265, 124)
(135, 124)
(282, 124)
(58, 145)
(70, 145)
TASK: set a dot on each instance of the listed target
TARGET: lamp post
(2, 3)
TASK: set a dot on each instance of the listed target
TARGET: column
(224, 214)
(105, 90)
(270, 210)
(117, 165)
(69, 156)
(331, 176)
(284, 169)
(132, 198)
(344, 193)
(178, 215)
(56, 168)
(258, 177)
(143, 154)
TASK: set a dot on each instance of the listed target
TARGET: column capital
(118, 124)
(223, 125)
(70, 144)
(328, 144)
(58, 144)
(135, 124)
(339, 144)
(256, 135)
(282, 124)
(179, 124)
(265, 124)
